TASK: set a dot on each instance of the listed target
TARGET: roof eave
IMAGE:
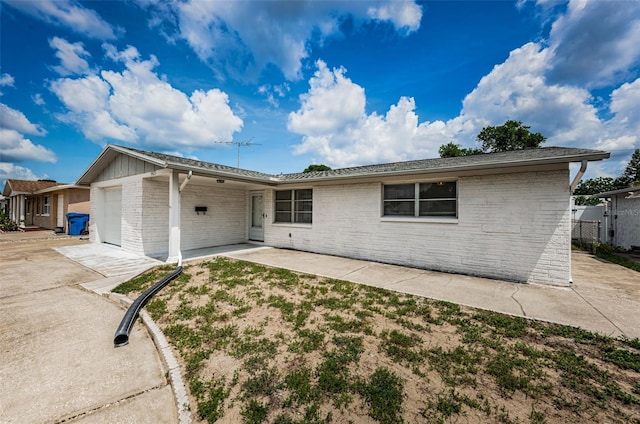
(108, 153)
(60, 187)
(605, 194)
(596, 156)
(222, 174)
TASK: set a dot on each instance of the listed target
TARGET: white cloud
(13, 171)
(243, 38)
(82, 95)
(274, 92)
(332, 104)
(625, 103)
(136, 105)
(6, 79)
(15, 148)
(403, 14)
(335, 125)
(71, 57)
(622, 131)
(595, 43)
(517, 89)
(67, 14)
(37, 99)
(15, 120)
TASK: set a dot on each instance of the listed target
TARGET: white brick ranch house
(501, 215)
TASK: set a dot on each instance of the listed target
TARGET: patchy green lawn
(259, 344)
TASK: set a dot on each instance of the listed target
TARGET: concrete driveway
(57, 360)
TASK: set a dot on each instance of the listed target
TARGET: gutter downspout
(578, 177)
(574, 184)
(186, 181)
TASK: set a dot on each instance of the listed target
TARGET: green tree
(452, 149)
(593, 186)
(631, 174)
(316, 168)
(510, 136)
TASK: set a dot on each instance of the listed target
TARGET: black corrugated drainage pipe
(121, 337)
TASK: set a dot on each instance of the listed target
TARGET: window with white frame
(294, 206)
(46, 206)
(437, 199)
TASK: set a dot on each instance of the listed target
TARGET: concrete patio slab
(109, 261)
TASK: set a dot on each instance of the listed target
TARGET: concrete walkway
(603, 298)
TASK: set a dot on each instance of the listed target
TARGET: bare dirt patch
(260, 344)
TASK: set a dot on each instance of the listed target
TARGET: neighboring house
(44, 203)
(589, 223)
(501, 215)
(4, 205)
(623, 213)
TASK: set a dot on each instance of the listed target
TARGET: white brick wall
(225, 221)
(96, 205)
(511, 226)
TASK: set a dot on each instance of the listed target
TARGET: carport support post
(174, 217)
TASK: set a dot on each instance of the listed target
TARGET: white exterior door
(256, 228)
(112, 216)
(60, 217)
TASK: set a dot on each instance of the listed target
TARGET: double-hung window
(438, 199)
(294, 206)
(46, 209)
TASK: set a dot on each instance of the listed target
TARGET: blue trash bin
(77, 223)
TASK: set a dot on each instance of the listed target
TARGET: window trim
(46, 206)
(293, 208)
(416, 205)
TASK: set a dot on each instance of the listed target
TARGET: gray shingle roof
(177, 161)
(546, 155)
(486, 160)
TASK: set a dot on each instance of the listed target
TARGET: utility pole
(239, 144)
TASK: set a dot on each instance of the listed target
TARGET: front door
(256, 229)
(60, 211)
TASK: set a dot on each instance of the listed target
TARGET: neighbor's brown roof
(25, 186)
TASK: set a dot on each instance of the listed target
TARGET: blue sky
(339, 83)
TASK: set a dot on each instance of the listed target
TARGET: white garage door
(112, 215)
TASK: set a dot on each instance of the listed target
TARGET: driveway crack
(108, 405)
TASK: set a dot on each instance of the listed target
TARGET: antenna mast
(239, 144)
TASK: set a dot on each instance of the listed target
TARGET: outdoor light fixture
(440, 183)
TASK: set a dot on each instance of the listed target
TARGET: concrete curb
(169, 360)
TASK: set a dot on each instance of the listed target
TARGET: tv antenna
(239, 144)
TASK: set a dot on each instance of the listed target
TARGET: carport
(158, 205)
